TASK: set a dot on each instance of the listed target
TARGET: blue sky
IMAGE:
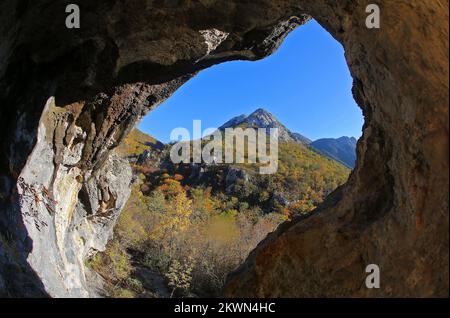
(306, 84)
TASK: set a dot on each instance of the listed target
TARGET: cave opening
(187, 225)
(393, 208)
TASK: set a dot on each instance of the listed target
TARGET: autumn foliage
(192, 230)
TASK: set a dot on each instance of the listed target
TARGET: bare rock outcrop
(69, 96)
(69, 211)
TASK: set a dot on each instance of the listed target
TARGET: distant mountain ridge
(342, 149)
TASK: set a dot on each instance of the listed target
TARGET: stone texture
(68, 97)
(235, 175)
(69, 212)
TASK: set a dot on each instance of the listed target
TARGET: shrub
(179, 276)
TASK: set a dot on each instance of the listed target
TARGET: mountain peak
(351, 140)
(260, 112)
(261, 118)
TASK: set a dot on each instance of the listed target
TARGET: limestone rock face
(69, 96)
(233, 176)
(68, 212)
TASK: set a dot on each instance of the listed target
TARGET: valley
(186, 226)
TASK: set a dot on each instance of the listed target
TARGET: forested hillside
(186, 226)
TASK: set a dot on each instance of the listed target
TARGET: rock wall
(69, 212)
(69, 96)
(393, 211)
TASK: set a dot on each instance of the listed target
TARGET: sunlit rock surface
(68, 212)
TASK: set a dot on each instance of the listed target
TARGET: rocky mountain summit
(342, 149)
(261, 118)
